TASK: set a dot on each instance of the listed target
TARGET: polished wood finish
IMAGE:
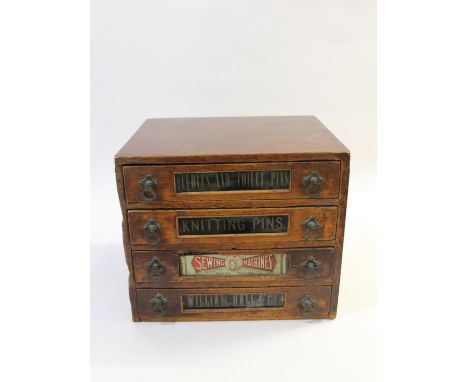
(164, 147)
(297, 275)
(230, 139)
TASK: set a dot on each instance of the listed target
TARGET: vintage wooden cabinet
(234, 218)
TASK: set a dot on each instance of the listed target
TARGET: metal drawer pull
(159, 305)
(312, 226)
(156, 268)
(148, 185)
(152, 231)
(313, 184)
(310, 270)
(307, 306)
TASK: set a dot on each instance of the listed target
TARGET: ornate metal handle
(312, 226)
(152, 232)
(310, 270)
(313, 184)
(307, 306)
(156, 268)
(159, 305)
(148, 185)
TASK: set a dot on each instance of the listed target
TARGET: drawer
(235, 228)
(233, 303)
(177, 269)
(281, 180)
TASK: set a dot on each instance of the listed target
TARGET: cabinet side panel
(340, 234)
(126, 242)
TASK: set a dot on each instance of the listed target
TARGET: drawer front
(282, 180)
(281, 227)
(293, 267)
(233, 303)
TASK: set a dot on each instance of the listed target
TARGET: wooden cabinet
(233, 218)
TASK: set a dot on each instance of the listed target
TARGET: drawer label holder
(232, 225)
(233, 301)
(233, 265)
(279, 180)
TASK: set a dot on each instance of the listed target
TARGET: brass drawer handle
(152, 232)
(148, 184)
(313, 184)
(307, 305)
(311, 267)
(312, 228)
(156, 269)
(159, 305)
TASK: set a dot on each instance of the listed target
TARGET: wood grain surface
(228, 139)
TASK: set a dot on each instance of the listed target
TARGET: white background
(421, 215)
(227, 58)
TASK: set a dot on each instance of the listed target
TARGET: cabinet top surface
(215, 137)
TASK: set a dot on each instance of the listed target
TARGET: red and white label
(233, 263)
